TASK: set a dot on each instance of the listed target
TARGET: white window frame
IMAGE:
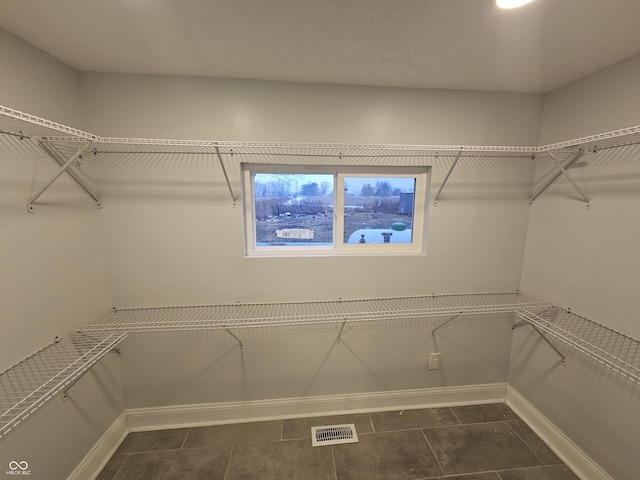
(339, 248)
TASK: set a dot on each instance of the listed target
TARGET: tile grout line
(526, 443)
(185, 439)
(373, 428)
(456, 415)
(535, 467)
(333, 459)
(408, 429)
(120, 468)
(226, 472)
(455, 476)
(424, 435)
(144, 452)
(467, 424)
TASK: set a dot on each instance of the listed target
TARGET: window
(293, 210)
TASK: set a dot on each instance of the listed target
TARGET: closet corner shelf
(28, 385)
(615, 350)
(612, 349)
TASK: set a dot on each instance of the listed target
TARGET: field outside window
(330, 211)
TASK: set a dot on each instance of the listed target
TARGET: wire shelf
(28, 385)
(25, 125)
(610, 348)
(266, 150)
(624, 136)
(213, 317)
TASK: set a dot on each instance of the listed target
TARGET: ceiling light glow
(512, 3)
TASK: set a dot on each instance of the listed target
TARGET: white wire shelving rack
(223, 317)
(28, 385)
(26, 126)
(612, 349)
(612, 139)
(61, 143)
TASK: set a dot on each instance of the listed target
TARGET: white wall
(172, 236)
(604, 101)
(245, 110)
(53, 276)
(587, 260)
(163, 214)
(34, 82)
(183, 368)
(53, 264)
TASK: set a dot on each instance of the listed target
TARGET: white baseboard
(94, 461)
(566, 449)
(141, 419)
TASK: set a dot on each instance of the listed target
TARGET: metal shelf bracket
(575, 185)
(65, 167)
(226, 177)
(446, 178)
(562, 170)
(65, 392)
(339, 339)
(115, 349)
(563, 360)
(234, 336)
(54, 153)
(445, 323)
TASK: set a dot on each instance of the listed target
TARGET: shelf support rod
(566, 174)
(65, 393)
(446, 178)
(563, 360)
(64, 168)
(562, 169)
(234, 336)
(442, 325)
(339, 339)
(226, 177)
(58, 157)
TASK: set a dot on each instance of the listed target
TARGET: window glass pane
(378, 209)
(293, 209)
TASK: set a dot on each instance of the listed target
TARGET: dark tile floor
(483, 442)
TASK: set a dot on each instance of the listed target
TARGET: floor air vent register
(333, 435)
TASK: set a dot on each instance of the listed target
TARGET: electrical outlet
(434, 361)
